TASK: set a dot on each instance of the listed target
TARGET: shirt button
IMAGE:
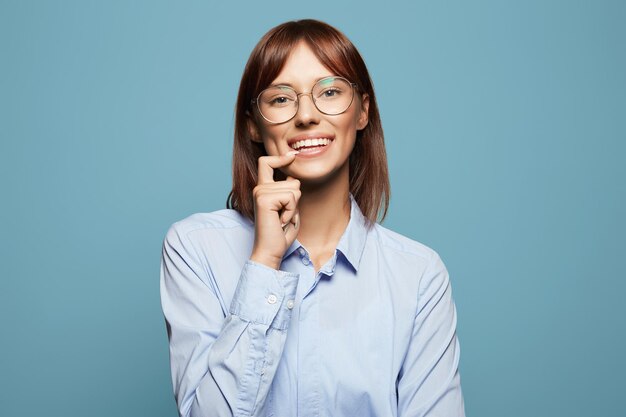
(271, 299)
(301, 251)
(306, 261)
(290, 304)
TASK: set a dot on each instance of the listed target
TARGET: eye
(332, 92)
(278, 100)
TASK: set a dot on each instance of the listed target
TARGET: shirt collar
(352, 241)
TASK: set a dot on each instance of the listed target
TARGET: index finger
(267, 164)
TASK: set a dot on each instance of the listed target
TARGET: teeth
(310, 142)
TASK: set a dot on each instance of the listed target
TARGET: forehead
(302, 68)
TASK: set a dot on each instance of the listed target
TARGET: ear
(253, 129)
(364, 113)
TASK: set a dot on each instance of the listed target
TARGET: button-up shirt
(372, 333)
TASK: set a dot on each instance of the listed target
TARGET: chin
(316, 175)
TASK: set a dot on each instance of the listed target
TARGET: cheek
(344, 121)
(355, 117)
(270, 140)
(270, 147)
(350, 124)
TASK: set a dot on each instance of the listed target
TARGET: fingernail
(292, 153)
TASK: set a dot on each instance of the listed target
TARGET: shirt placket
(309, 391)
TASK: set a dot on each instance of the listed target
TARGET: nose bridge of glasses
(298, 101)
(310, 94)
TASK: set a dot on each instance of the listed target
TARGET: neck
(324, 213)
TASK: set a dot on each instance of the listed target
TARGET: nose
(307, 112)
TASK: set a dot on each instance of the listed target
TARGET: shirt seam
(419, 285)
(410, 252)
(199, 265)
(203, 226)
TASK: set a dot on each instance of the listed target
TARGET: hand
(276, 218)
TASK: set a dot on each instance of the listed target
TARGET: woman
(294, 301)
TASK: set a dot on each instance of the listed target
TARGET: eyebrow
(281, 84)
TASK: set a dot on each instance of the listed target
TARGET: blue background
(505, 126)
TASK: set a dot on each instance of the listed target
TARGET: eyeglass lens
(331, 96)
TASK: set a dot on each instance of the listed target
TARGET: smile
(310, 143)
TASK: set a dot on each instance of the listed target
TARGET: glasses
(330, 95)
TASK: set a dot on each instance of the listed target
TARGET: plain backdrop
(505, 129)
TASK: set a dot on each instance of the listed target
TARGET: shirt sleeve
(222, 365)
(429, 383)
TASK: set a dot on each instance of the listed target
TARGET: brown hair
(369, 178)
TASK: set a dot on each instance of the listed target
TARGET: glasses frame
(310, 93)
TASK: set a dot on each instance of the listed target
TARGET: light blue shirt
(373, 333)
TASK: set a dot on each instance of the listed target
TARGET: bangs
(331, 48)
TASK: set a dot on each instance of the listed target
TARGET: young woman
(295, 301)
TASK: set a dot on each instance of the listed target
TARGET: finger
(292, 229)
(290, 217)
(267, 164)
(289, 210)
(277, 186)
(277, 200)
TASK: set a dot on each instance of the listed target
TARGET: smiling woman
(294, 300)
(329, 112)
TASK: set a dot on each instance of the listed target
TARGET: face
(314, 164)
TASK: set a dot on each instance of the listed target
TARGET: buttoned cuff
(265, 295)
